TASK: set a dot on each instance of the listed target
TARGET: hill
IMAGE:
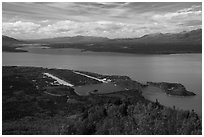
(27, 109)
(9, 40)
(10, 44)
(192, 36)
(169, 43)
(158, 43)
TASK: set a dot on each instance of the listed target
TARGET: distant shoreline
(14, 49)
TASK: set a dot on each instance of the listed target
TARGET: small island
(175, 89)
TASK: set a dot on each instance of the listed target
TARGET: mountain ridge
(169, 43)
(81, 38)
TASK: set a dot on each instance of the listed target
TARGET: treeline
(134, 118)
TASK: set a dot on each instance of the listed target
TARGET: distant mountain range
(158, 43)
(192, 36)
(195, 35)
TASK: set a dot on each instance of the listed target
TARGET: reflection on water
(184, 68)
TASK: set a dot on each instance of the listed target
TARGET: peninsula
(175, 89)
(49, 101)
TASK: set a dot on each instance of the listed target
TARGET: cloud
(109, 19)
(183, 13)
(20, 27)
(70, 28)
(180, 20)
(45, 21)
(67, 28)
(192, 23)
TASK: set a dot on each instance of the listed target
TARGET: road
(60, 81)
(101, 80)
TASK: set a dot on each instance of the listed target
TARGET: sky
(102, 19)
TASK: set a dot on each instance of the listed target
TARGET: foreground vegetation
(27, 109)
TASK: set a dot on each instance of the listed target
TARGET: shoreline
(31, 101)
(141, 85)
(21, 49)
(145, 83)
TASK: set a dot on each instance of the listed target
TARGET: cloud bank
(113, 20)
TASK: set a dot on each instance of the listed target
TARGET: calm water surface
(183, 68)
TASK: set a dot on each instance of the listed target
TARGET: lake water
(182, 68)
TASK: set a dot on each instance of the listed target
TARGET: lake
(182, 68)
